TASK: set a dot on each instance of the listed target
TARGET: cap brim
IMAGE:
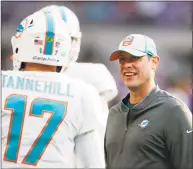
(134, 52)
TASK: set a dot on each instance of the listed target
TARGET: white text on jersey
(49, 87)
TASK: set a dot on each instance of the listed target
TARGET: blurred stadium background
(104, 24)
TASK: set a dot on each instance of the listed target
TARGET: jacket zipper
(125, 131)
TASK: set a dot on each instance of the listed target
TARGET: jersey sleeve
(179, 138)
(88, 147)
(91, 107)
(97, 75)
(89, 150)
(104, 82)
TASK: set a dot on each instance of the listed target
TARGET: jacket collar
(141, 105)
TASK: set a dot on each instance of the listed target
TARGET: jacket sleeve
(179, 137)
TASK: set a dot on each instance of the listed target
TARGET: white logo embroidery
(144, 123)
(189, 131)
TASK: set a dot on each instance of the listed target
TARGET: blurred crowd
(104, 24)
(116, 12)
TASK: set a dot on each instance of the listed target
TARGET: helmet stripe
(62, 13)
(49, 38)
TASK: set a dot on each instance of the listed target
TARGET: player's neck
(139, 94)
(39, 67)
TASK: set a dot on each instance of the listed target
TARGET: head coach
(149, 128)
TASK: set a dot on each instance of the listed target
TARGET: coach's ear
(155, 62)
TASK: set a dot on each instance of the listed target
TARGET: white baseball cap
(137, 45)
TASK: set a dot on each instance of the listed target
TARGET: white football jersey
(96, 74)
(47, 118)
(99, 76)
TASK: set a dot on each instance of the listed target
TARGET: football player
(47, 116)
(95, 74)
